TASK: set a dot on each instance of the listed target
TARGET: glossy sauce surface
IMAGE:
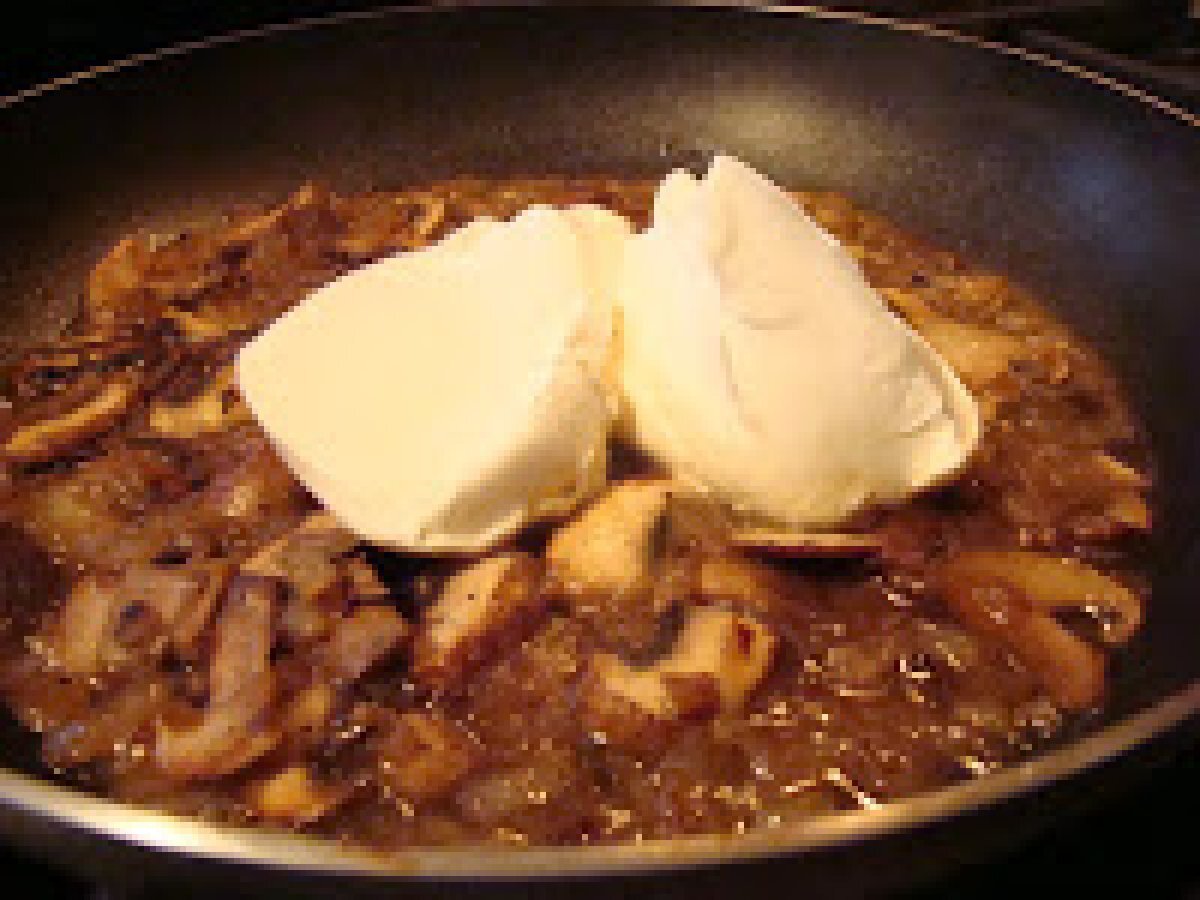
(215, 647)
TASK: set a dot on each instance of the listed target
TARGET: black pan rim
(111, 820)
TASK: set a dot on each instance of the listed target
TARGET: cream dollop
(759, 365)
(439, 400)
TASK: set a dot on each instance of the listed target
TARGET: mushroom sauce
(186, 630)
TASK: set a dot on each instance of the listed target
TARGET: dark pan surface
(1085, 193)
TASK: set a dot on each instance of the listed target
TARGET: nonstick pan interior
(1088, 195)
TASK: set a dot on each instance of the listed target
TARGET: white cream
(758, 364)
(441, 399)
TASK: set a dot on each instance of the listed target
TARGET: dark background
(1142, 844)
(52, 37)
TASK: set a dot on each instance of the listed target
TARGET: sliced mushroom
(193, 616)
(111, 620)
(168, 605)
(806, 544)
(717, 661)
(735, 649)
(1125, 509)
(234, 730)
(741, 584)
(317, 540)
(423, 756)
(198, 328)
(48, 369)
(1056, 584)
(361, 641)
(50, 438)
(492, 603)
(1013, 596)
(610, 547)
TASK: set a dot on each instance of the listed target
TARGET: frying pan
(1084, 189)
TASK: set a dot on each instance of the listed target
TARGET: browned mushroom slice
(294, 797)
(1122, 489)
(161, 606)
(735, 650)
(109, 621)
(234, 730)
(717, 661)
(192, 617)
(1013, 596)
(742, 584)
(492, 603)
(1056, 584)
(806, 544)
(206, 327)
(47, 439)
(311, 545)
(361, 641)
(423, 756)
(609, 548)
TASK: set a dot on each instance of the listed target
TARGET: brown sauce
(180, 644)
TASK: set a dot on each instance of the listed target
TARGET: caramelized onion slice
(50, 438)
(234, 731)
